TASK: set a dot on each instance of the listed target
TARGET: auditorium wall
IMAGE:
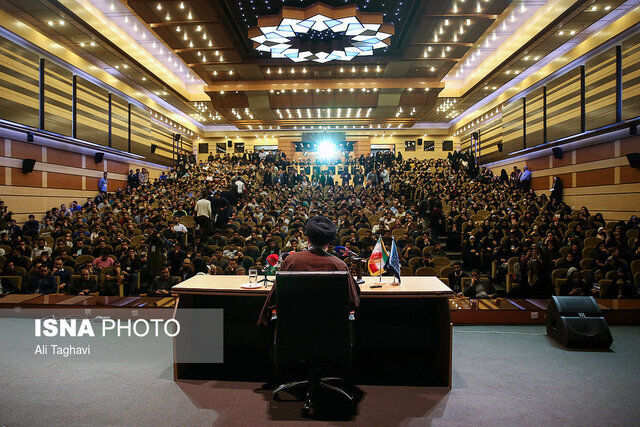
(595, 174)
(78, 108)
(587, 109)
(362, 144)
(595, 92)
(61, 175)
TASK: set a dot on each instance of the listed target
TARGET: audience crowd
(484, 235)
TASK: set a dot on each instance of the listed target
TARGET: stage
(402, 333)
(501, 375)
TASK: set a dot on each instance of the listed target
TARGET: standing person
(102, 184)
(525, 178)
(556, 190)
(222, 210)
(346, 177)
(203, 214)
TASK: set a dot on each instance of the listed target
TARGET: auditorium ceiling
(299, 64)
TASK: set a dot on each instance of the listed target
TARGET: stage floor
(501, 374)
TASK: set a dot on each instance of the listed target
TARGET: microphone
(273, 259)
(344, 251)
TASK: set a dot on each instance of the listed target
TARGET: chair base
(312, 384)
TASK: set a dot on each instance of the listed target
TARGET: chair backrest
(406, 271)
(558, 273)
(440, 260)
(564, 251)
(426, 271)
(313, 317)
(446, 271)
(635, 266)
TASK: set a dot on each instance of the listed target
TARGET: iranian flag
(378, 259)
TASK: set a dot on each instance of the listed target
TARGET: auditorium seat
(426, 271)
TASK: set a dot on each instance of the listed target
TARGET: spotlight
(327, 150)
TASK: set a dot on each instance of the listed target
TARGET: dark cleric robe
(315, 259)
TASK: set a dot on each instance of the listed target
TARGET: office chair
(313, 327)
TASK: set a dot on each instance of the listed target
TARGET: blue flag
(393, 262)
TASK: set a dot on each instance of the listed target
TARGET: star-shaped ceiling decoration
(359, 33)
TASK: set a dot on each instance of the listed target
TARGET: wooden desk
(402, 333)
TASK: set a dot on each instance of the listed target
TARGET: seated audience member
(41, 282)
(479, 287)
(624, 285)
(187, 270)
(10, 270)
(40, 249)
(83, 285)
(575, 285)
(63, 273)
(113, 279)
(455, 278)
(161, 285)
(103, 261)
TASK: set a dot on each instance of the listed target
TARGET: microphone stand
(265, 280)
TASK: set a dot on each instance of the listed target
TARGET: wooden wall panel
(490, 137)
(563, 105)
(595, 152)
(535, 123)
(600, 86)
(566, 179)
(58, 95)
(512, 127)
(630, 145)
(140, 131)
(595, 177)
(32, 179)
(119, 123)
(629, 175)
(631, 77)
(538, 163)
(64, 158)
(93, 113)
(114, 184)
(3, 175)
(64, 180)
(117, 167)
(564, 161)
(19, 75)
(25, 150)
(91, 164)
(465, 142)
(540, 183)
(163, 138)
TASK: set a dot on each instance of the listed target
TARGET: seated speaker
(577, 322)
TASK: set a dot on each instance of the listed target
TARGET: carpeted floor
(502, 375)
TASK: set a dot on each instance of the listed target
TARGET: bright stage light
(327, 150)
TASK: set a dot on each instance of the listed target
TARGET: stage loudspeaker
(419, 141)
(176, 137)
(98, 157)
(29, 136)
(634, 160)
(475, 135)
(229, 143)
(154, 147)
(557, 152)
(27, 165)
(577, 322)
(499, 147)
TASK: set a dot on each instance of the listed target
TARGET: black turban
(320, 230)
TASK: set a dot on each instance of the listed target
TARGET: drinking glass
(253, 275)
